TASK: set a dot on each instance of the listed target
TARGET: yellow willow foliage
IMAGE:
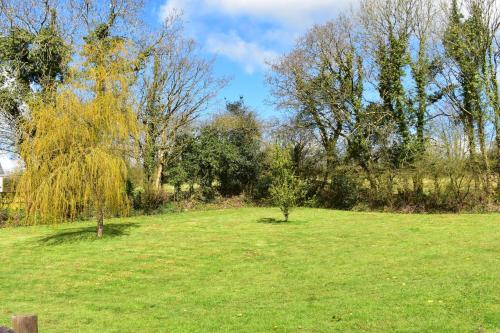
(75, 159)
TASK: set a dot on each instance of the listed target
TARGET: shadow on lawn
(88, 234)
(270, 220)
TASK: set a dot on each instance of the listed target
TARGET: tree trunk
(157, 176)
(496, 107)
(100, 222)
(484, 156)
(330, 161)
(497, 159)
(418, 179)
(469, 131)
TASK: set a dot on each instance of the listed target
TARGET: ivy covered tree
(32, 62)
(468, 42)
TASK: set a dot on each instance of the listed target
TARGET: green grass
(240, 271)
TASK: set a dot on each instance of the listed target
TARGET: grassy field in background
(239, 270)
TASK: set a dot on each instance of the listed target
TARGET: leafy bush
(149, 200)
(261, 189)
(136, 196)
(4, 216)
(345, 191)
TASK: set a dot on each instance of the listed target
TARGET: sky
(245, 35)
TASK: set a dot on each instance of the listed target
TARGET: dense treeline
(403, 99)
(393, 106)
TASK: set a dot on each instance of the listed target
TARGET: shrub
(149, 200)
(345, 190)
(136, 197)
(261, 189)
(286, 189)
(4, 216)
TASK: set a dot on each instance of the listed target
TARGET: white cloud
(260, 29)
(249, 54)
(290, 12)
(174, 5)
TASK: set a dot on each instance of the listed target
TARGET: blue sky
(244, 35)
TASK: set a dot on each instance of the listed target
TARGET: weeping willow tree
(75, 161)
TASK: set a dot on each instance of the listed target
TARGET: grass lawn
(239, 271)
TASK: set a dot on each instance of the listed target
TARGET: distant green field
(239, 270)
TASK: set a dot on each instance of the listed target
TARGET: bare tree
(121, 17)
(321, 80)
(176, 85)
(31, 15)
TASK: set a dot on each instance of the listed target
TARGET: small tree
(286, 189)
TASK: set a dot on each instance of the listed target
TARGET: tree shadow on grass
(88, 234)
(270, 220)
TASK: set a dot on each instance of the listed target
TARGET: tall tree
(240, 129)
(177, 85)
(426, 65)
(226, 155)
(387, 30)
(467, 41)
(320, 80)
(491, 20)
(75, 159)
(33, 61)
